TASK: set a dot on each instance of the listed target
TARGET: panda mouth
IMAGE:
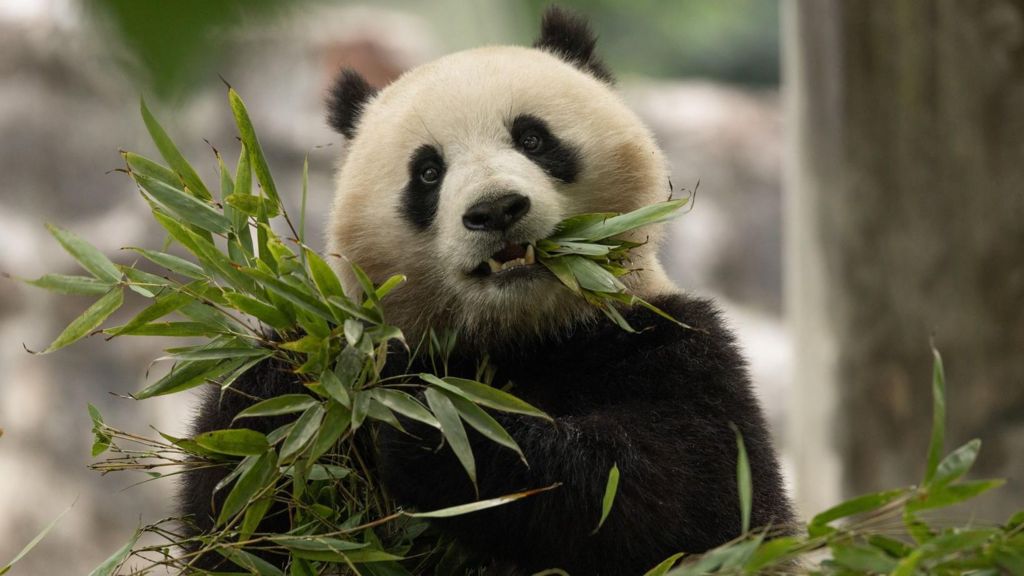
(510, 257)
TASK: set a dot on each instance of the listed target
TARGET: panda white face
(456, 169)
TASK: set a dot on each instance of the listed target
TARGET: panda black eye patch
(419, 199)
(532, 137)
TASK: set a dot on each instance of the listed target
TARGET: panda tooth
(495, 266)
(529, 259)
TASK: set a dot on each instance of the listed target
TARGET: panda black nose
(498, 214)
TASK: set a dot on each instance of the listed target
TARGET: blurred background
(861, 169)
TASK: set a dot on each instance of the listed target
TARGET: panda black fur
(659, 404)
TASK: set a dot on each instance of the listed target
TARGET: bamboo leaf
(405, 405)
(186, 206)
(162, 306)
(32, 543)
(284, 404)
(610, 489)
(609, 227)
(172, 263)
(252, 481)
(480, 505)
(189, 374)
(743, 480)
(485, 395)
(87, 255)
(252, 145)
(484, 423)
(303, 432)
(172, 155)
(110, 565)
(260, 310)
(591, 276)
(64, 284)
(89, 321)
(952, 494)
(938, 437)
(858, 505)
(451, 427)
(254, 564)
(138, 164)
(234, 442)
(956, 464)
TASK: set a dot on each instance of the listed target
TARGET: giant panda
(452, 172)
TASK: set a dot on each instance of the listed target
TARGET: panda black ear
(346, 101)
(568, 36)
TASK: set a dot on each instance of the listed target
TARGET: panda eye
(531, 142)
(430, 174)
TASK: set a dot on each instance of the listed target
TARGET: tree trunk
(906, 222)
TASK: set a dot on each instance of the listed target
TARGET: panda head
(454, 170)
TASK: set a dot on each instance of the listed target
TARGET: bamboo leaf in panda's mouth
(588, 255)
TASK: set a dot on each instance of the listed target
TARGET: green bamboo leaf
(858, 505)
(406, 405)
(254, 514)
(254, 564)
(389, 285)
(301, 299)
(303, 432)
(485, 395)
(662, 568)
(208, 254)
(220, 353)
(101, 437)
(173, 156)
(484, 423)
(252, 205)
(480, 504)
(956, 464)
(952, 494)
(353, 331)
(743, 480)
(32, 543)
(172, 329)
(254, 480)
(186, 375)
(561, 270)
(609, 227)
(862, 559)
(350, 309)
(161, 306)
(323, 276)
(591, 276)
(243, 187)
(87, 255)
(360, 408)
(335, 423)
(938, 437)
(773, 553)
(234, 442)
(578, 248)
(78, 285)
(186, 206)
(335, 388)
(451, 427)
(284, 404)
(138, 164)
(252, 145)
(610, 490)
(172, 263)
(110, 565)
(369, 292)
(89, 321)
(260, 310)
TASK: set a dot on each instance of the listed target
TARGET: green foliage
(880, 533)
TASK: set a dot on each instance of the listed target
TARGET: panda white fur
(458, 166)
